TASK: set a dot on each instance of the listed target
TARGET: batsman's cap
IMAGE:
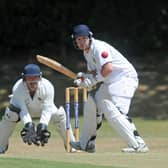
(81, 30)
(31, 70)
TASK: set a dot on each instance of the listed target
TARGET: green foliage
(46, 25)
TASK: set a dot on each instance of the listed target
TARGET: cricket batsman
(116, 81)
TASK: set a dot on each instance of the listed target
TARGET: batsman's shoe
(76, 145)
(3, 150)
(141, 149)
(90, 148)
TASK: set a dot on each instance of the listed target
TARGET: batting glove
(88, 81)
(82, 75)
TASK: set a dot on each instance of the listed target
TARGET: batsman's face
(83, 42)
(32, 82)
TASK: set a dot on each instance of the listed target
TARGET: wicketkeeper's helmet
(31, 70)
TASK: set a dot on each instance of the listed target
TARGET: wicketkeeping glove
(28, 134)
(42, 134)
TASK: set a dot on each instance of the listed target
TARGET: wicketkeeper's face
(83, 42)
(32, 82)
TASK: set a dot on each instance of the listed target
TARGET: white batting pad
(59, 120)
(119, 123)
(6, 130)
(89, 123)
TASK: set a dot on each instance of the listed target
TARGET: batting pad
(59, 120)
(90, 124)
(119, 123)
(6, 130)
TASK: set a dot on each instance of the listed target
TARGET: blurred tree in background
(40, 24)
(139, 29)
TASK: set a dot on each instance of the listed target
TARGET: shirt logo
(104, 54)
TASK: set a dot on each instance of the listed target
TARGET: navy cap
(31, 70)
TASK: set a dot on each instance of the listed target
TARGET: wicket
(75, 91)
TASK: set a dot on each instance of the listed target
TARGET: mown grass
(36, 163)
(108, 148)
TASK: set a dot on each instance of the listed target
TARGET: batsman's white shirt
(42, 102)
(122, 70)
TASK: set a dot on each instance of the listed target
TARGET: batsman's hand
(86, 80)
(42, 134)
(28, 134)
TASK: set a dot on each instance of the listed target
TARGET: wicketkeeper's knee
(12, 113)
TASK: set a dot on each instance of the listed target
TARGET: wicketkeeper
(117, 79)
(32, 94)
